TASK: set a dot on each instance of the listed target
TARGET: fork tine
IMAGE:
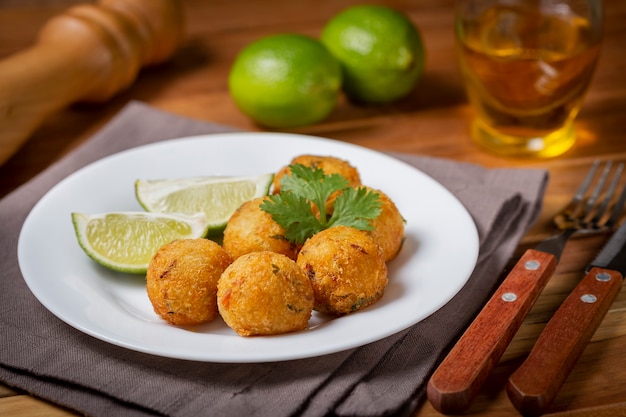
(591, 201)
(585, 214)
(575, 205)
(601, 210)
(618, 209)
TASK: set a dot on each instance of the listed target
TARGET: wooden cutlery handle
(88, 53)
(535, 384)
(462, 373)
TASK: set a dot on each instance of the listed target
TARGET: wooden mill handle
(89, 53)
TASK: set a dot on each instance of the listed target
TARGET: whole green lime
(285, 80)
(380, 50)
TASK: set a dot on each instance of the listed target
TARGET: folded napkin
(43, 356)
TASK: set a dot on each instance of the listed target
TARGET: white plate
(438, 256)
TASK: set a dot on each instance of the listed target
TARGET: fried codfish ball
(388, 230)
(182, 280)
(328, 164)
(264, 293)
(346, 268)
(250, 229)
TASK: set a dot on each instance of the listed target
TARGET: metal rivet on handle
(588, 298)
(532, 265)
(509, 297)
(603, 276)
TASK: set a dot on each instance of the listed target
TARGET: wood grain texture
(433, 120)
(23, 405)
(610, 410)
(464, 370)
(535, 384)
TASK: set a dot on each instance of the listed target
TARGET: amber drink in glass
(527, 65)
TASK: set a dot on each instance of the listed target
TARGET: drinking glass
(526, 65)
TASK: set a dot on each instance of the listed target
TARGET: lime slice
(216, 197)
(126, 241)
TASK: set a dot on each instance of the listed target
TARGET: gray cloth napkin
(47, 358)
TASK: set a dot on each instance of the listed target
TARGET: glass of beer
(526, 65)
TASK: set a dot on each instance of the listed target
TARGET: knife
(535, 384)
(459, 377)
(461, 374)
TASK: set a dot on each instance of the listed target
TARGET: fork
(535, 384)
(462, 373)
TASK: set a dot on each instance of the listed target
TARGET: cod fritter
(265, 293)
(182, 280)
(250, 229)
(328, 164)
(346, 268)
(388, 230)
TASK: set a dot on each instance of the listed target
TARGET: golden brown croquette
(388, 230)
(181, 280)
(264, 293)
(346, 268)
(328, 164)
(250, 229)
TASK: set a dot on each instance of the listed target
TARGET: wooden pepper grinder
(89, 53)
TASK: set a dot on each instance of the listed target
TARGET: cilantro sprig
(300, 208)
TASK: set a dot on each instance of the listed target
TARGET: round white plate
(436, 260)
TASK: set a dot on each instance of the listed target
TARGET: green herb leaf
(312, 184)
(300, 208)
(355, 207)
(294, 214)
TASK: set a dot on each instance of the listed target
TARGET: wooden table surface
(433, 120)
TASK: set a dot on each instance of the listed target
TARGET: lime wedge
(126, 241)
(216, 197)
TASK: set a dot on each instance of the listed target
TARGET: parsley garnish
(300, 208)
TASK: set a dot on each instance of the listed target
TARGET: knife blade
(535, 384)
